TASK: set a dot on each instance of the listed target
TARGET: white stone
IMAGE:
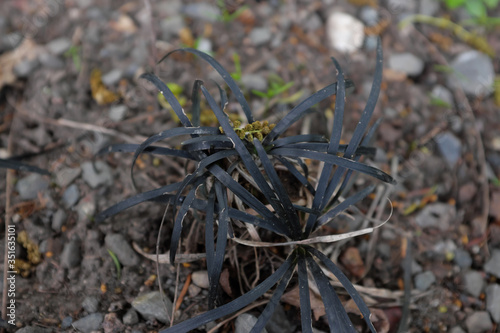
(345, 32)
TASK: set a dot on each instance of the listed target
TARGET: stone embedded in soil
(124, 252)
(112, 323)
(254, 81)
(29, 186)
(345, 33)
(130, 317)
(260, 36)
(457, 329)
(100, 176)
(86, 207)
(424, 280)
(171, 26)
(443, 94)
(71, 196)
(492, 266)
(474, 283)
(117, 112)
(472, 71)
(50, 61)
(33, 329)
(436, 215)
(407, 63)
(112, 77)
(193, 290)
(200, 278)
(279, 322)
(66, 176)
(245, 322)
(203, 11)
(493, 301)
(59, 46)
(66, 322)
(369, 15)
(89, 323)
(462, 258)
(450, 147)
(151, 306)
(90, 304)
(479, 322)
(429, 7)
(58, 220)
(70, 256)
(25, 68)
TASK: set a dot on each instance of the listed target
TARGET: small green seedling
(74, 53)
(276, 86)
(117, 264)
(226, 16)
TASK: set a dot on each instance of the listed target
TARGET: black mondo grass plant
(230, 152)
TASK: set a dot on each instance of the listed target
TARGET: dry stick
(8, 216)
(184, 290)
(158, 266)
(467, 114)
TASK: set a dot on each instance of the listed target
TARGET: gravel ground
(440, 138)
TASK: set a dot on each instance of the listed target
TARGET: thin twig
(8, 216)
(184, 290)
(158, 266)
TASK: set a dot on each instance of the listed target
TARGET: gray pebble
(71, 196)
(25, 68)
(450, 147)
(70, 256)
(59, 46)
(89, 323)
(415, 267)
(429, 7)
(462, 258)
(33, 329)
(472, 71)
(112, 77)
(313, 22)
(119, 246)
(90, 304)
(493, 301)
(58, 220)
(171, 26)
(66, 176)
(424, 280)
(279, 322)
(492, 266)
(457, 329)
(254, 82)
(443, 94)
(29, 186)
(66, 322)
(479, 322)
(369, 15)
(245, 322)
(200, 278)
(260, 36)
(10, 41)
(117, 112)
(50, 61)
(474, 283)
(95, 179)
(131, 317)
(151, 306)
(86, 208)
(203, 11)
(407, 63)
(436, 215)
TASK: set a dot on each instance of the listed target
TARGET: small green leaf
(259, 93)
(452, 4)
(476, 8)
(117, 264)
(491, 4)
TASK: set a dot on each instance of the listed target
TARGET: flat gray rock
(493, 301)
(474, 283)
(151, 306)
(71, 196)
(492, 266)
(479, 322)
(450, 147)
(124, 252)
(66, 176)
(89, 323)
(59, 46)
(260, 36)
(424, 280)
(245, 322)
(70, 256)
(407, 63)
(100, 176)
(472, 71)
(29, 186)
(436, 215)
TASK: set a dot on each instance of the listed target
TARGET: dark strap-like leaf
(15, 165)
(236, 304)
(304, 298)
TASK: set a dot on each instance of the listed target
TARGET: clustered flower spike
(257, 130)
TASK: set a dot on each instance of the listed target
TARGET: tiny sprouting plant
(476, 8)
(236, 174)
